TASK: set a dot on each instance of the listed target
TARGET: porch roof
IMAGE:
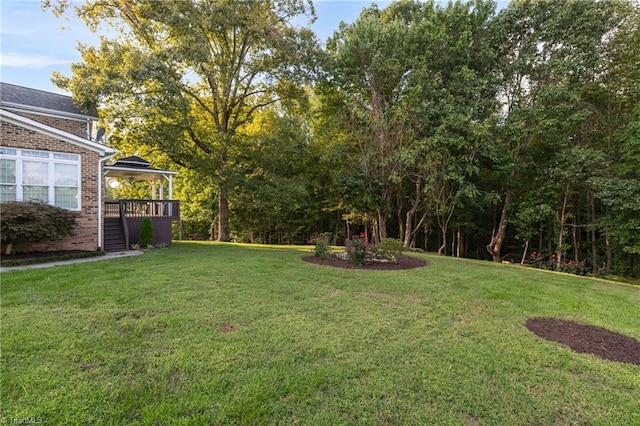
(136, 173)
(137, 169)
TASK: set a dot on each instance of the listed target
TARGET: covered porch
(122, 218)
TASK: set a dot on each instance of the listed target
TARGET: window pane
(72, 157)
(7, 171)
(34, 173)
(35, 154)
(66, 198)
(8, 151)
(66, 174)
(36, 193)
(7, 193)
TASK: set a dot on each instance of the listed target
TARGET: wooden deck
(123, 219)
(143, 208)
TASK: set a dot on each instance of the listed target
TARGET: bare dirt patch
(589, 339)
(227, 328)
(404, 262)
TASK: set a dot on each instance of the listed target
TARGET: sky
(35, 43)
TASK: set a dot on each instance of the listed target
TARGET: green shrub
(28, 222)
(147, 233)
(359, 251)
(322, 243)
(391, 249)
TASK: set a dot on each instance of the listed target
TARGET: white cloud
(29, 61)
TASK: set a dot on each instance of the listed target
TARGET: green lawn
(204, 333)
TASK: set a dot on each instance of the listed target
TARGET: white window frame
(51, 158)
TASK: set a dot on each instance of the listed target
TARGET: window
(48, 177)
(35, 186)
(66, 185)
(7, 180)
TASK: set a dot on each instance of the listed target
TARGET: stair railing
(125, 225)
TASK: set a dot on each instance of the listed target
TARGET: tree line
(457, 128)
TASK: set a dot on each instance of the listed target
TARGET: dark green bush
(391, 248)
(147, 233)
(27, 222)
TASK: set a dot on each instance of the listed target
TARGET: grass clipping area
(206, 333)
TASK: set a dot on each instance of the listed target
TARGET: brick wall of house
(86, 232)
(75, 127)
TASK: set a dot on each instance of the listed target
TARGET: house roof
(19, 97)
(35, 126)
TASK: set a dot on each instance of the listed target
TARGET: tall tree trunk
(347, 229)
(454, 249)
(563, 218)
(495, 245)
(443, 224)
(607, 242)
(408, 227)
(399, 209)
(576, 246)
(524, 254)
(223, 217)
(213, 235)
(594, 247)
(380, 227)
(443, 247)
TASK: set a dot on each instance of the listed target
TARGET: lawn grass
(205, 333)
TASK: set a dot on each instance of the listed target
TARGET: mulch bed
(404, 262)
(18, 259)
(42, 254)
(589, 339)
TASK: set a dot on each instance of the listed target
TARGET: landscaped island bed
(205, 333)
(403, 262)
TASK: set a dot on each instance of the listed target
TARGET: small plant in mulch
(360, 254)
(322, 244)
(359, 250)
(391, 249)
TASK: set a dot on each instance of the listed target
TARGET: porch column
(170, 179)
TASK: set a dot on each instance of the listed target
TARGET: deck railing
(143, 208)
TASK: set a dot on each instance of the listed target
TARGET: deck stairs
(114, 239)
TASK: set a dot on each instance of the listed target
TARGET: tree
(550, 52)
(410, 94)
(369, 66)
(272, 196)
(186, 76)
(616, 98)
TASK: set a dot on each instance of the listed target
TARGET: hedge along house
(50, 152)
